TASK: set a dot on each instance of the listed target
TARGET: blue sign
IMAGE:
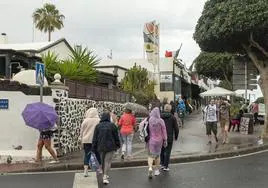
(39, 73)
(4, 104)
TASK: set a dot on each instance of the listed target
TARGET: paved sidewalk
(192, 142)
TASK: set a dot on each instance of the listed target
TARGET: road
(240, 172)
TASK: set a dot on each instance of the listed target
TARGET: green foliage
(235, 107)
(48, 18)
(79, 66)
(227, 24)
(51, 62)
(226, 84)
(215, 65)
(136, 82)
(260, 100)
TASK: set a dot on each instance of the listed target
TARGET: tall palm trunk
(49, 36)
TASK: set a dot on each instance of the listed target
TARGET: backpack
(144, 130)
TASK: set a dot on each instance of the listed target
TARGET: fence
(88, 91)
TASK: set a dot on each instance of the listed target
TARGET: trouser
(165, 154)
(106, 161)
(127, 144)
(255, 118)
(87, 149)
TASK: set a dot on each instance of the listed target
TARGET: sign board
(4, 104)
(39, 73)
(166, 78)
(244, 125)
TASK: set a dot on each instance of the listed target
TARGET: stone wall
(71, 114)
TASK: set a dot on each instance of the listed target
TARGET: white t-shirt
(211, 113)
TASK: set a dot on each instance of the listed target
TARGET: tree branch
(253, 57)
(257, 45)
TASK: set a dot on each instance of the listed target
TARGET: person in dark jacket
(173, 107)
(172, 132)
(106, 142)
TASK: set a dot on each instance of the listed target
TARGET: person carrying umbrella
(42, 117)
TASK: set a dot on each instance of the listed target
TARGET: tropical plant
(48, 18)
(217, 66)
(51, 62)
(79, 66)
(137, 83)
(239, 27)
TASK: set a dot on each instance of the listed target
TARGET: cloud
(102, 25)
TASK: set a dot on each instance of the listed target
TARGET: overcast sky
(110, 24)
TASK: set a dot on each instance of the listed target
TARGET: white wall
(12, 127)
(60, 49)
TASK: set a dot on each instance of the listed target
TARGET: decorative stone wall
(71, 114)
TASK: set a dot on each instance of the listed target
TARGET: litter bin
(246, 124)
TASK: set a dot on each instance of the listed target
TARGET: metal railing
(88, 91)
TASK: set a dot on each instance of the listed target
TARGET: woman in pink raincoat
(158, 139)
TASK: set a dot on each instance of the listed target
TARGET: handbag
(93, 162)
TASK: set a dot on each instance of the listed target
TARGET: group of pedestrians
(217, 111)
(104, 135)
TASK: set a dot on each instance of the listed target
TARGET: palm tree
(48, 18)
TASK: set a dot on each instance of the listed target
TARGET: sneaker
(150, 173)
(162, 167)
(86, 174)
(157, 172)
(105, 179)
(54, 162)
(166, 169)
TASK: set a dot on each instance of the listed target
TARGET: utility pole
(246, 81)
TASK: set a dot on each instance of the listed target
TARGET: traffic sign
(39, 73)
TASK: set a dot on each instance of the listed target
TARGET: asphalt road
(243, 172)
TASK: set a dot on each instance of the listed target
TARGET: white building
(60, 47)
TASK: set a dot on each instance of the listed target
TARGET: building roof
(35, 47)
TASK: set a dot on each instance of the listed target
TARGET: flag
(151, 41)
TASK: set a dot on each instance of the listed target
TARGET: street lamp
(10, 68)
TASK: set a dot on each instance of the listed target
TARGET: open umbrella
(40, 116)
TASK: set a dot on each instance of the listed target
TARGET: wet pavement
(239, 172)
(192, 142)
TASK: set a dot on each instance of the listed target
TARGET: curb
(136, 163)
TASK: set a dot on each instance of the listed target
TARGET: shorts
(224, 123)
(211, 126)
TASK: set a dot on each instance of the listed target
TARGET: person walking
(106, 142)
(45, 138)
(157, 139)
(211, 117)
(172, 129)
(127, 125)
(86, 135)
(224, 116)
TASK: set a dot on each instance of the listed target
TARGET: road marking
(85, 182)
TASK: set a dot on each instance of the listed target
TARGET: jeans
(87, 149)
(127, 144)
(165, 155)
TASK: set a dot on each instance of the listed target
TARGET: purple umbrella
(40, 116)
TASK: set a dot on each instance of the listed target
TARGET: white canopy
(217, 91)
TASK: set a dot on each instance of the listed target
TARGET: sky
(102, 25)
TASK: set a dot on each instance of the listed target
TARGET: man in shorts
(224, 112)
(211, 119)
